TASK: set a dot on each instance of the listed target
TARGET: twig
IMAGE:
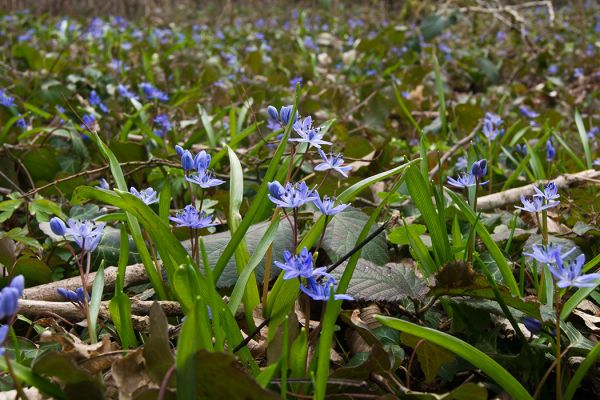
(512, 196)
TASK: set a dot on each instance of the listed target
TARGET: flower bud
(479, 168)
(58, 226)
(202, 161)
(275, 189)
(286, 113)
(187, 161)
(272, 111)
(18, 283)
(533, 325)
(179, 150)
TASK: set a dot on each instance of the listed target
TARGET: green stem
(558, 354)
(12, 374)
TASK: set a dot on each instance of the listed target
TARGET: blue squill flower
(57, 226)
(202, 160)
(77, 296)
(285, 114)
(308, 134)
(87, 234)
(321, 291)
(547, 254)
(569, 273)
(290, 196)
(190, 217)
(89, 122)
(296, 81)
(204, 179)
(148, 196)
(333, 162)
(96, 101)
(521, 148)
(533, 325)
(479, 169)
(528, 112)
(152, 92)
(491, 126)
(550, 151)
(463, 181)
(296, 266)
(125, 92)
(326, 206)
(3, 336)
(21, 123)
(103, 184)
(6, 100)
(162, 120)
(550, 192)
(9, 297)
(536, 204)
(461, 163)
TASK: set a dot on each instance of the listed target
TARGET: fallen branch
(134, 274)
(511, 196)
(40, 308)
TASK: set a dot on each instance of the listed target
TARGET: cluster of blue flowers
(190, 216)
(315, 283)
(9, 304)
(78, 296)
(492, 126)
(86, 234)
(320, 285)
(465, 180)
(541, 200)
(9, 102)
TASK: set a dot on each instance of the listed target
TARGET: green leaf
(464, 350)
(342, 233)
(581, 372)
(8, 207)
(35, 271)
(431, 356)
(26, 375)
(389, 283)
(584, 139)
(157, 349)
(400, 235)
(97, 290)
(420, 194)
(486, 238)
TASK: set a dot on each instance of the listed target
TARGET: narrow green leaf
(584, 140)
(97, 290)
(464, 350)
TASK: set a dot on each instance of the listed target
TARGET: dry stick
(512, 196)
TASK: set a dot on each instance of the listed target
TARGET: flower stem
(558, 354)
(12, 374)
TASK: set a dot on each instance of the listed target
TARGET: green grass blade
(464, 350)
(439, 85)
(581, 372)
(486, 238)
(584, 140)
(207, 124)
(97, 290)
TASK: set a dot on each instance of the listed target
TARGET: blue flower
(528, 112)
(550, 151)
(333, 162)
(569, 274)
(547, 254)
(463, 181)
(21, 123)
(550, 192)
(9, 297)
(461, 163)
(521, 148)
(295, 81)
(290, 196)
(327, 206)
(204, 179)
(103, 184)
(89, 122)
(285, 114)
(321, 291)
(308, 134)
(87, 234)
(3, 335)
(152, 92)
(162, 120)
(57, 226)
(148, 196)
(533, 325)
(479, 169)
(125, 92)
(76, 297)
(273, 113)
(536, 204)
(5, 100)
(296, 266)
(200, 162)
(491, 126)
(192, 218)
(96, 101)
